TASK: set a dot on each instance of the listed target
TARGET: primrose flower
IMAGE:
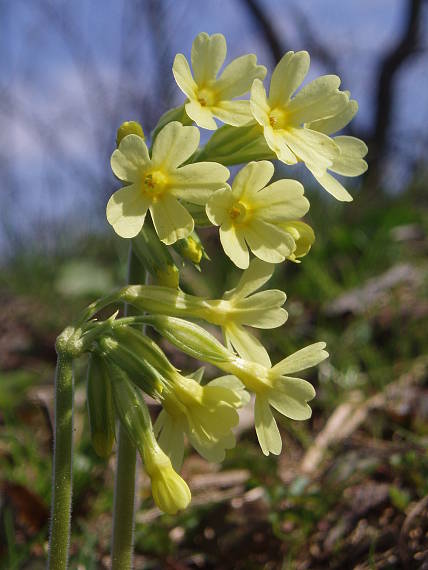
(274, 388)
(206, 414)
(250, 213)
(303, 236)
(296, 128)
(209, 96)
(351, 161)
(156, 182)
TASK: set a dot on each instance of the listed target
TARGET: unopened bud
(129, 128)
(191, 248)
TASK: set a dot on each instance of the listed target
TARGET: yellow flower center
(154, 183)
(239, 213)
(278, 118)
(206, 97)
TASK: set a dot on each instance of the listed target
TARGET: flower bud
(303, 236)
(190, 338)
(191, 248)
(142, 373)
(170, 491)
(155, 257)
(129, 128)
(100, 407)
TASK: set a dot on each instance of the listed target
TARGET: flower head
(274, 388)
(156, 182)
(206, 414)
(297, 128)
(250, 213)
(211, 96)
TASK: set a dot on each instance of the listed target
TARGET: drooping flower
(297, 128)
(206, 414)
(303, 236)
(274, 388)
(250, 213)
(209, 96)
(351, 161)
(156, 183)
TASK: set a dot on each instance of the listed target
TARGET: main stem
(62, 465)
(124, 488)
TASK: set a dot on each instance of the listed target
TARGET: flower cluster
(258, 214)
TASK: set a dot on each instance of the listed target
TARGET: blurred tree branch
(407, 45)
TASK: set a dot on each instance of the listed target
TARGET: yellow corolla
(206, 414)
(156, 182)
(297, 128)
(250, 214)
(274, 388)
(209, 96)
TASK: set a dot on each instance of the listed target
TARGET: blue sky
(64, 92)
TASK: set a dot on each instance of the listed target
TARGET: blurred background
(350, 488)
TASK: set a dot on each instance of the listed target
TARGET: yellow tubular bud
(129, 128)
(100, 407)
(170, 491)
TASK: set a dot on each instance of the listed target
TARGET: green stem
(124, 489)
(62, 465)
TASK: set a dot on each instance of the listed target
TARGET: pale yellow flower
(156, 183)
(210, 96)
(250, 213)
(274, 388)
(296, 127)
(206, 414)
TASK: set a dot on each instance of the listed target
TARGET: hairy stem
(124, 489)
(62, 465)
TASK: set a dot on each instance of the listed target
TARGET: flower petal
(257, 274)
(234, 245)
(171, 220)
(233, 383)
(196, 183)
(289, 396)
(259, 104)
(202, 116)
(246, 344)
(130, 158)
(319, 99)
(170, 437)
(174, 144)
(262, 310)
(251, 178)
(218, 206)
(268, 242)
(336, 122)
(235, 113)
(305, 358)
(350, 162)
(208, 55)
(316, 150)
(333, 186)
(287, 76)
(183, 76)
(281, 201)
(126, 211)
(237, 77)
(266, 428)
